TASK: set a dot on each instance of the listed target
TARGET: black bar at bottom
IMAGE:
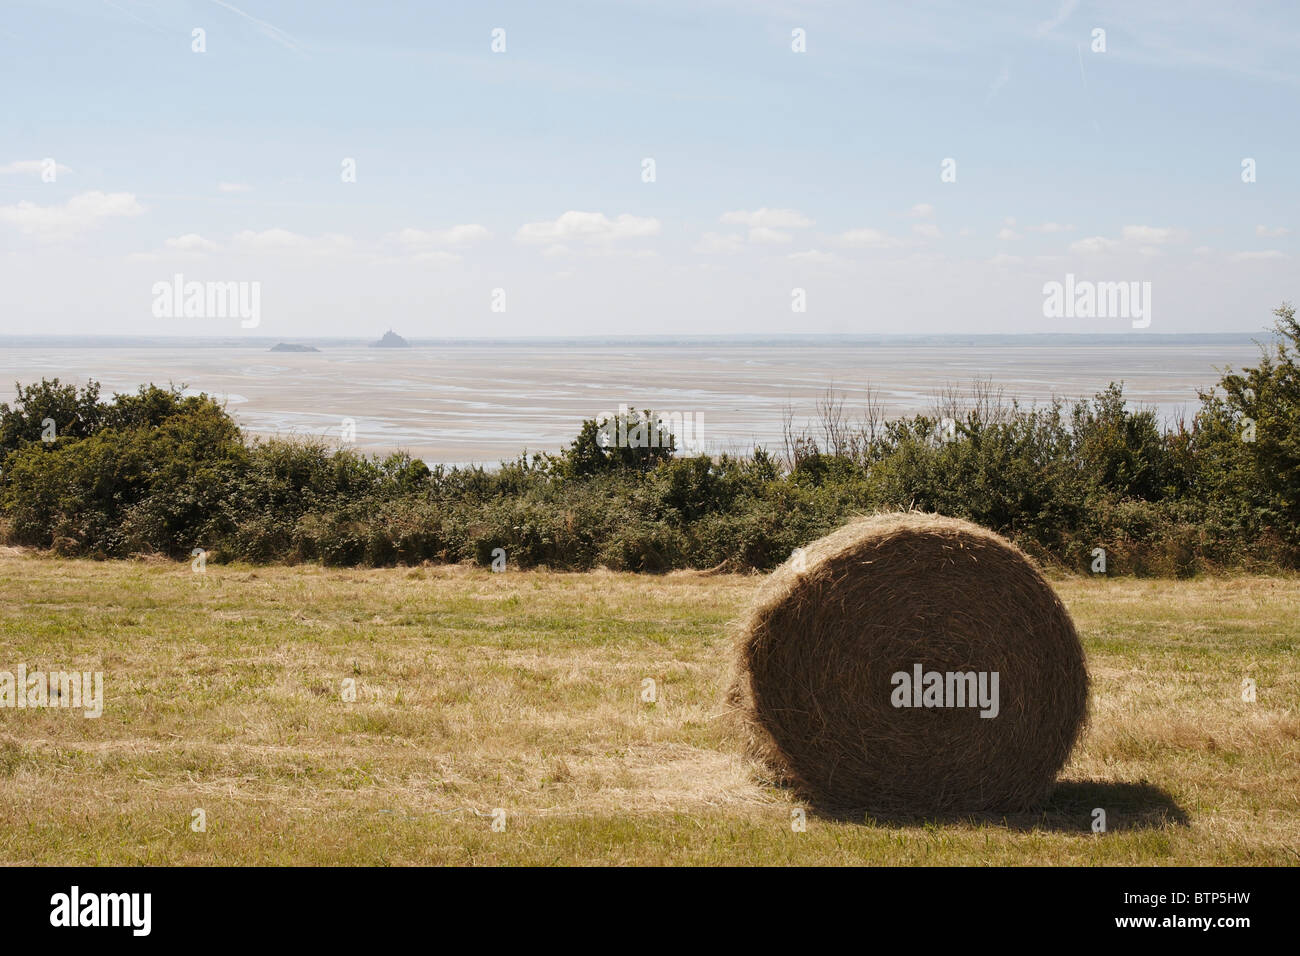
(338, 906)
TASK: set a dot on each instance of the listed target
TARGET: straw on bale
(817, 664)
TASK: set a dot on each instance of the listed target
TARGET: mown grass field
(522, 691)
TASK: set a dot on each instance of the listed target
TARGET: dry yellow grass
(523, 691)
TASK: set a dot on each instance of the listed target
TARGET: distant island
(391, 340)
(292, 347)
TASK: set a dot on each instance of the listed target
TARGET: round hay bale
(837, 664)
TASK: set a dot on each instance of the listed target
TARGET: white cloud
(1006, 233)
(928, 229)
(282, 240)
(80, 213)
(454, 236)
(435, 255)
(191, 242)
(1141, 239)
(191, 245)
(765, 228)
(609, 252)
(1152, 235)
(767, 218)
(1050, 227)
(1272, 232)
(1095, 245)
(588, 227)
(1002, 259)
(234, 187)
(814, 255)
(266, 242)
(1261, 254)
(713, 242)
(869, 238)
(922, 210)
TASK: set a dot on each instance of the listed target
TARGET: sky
(644, 167)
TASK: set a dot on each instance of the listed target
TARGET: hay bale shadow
(1069, 809)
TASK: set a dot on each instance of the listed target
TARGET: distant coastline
(829, 340)
(458, 401)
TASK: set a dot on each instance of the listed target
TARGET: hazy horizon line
(72, 340)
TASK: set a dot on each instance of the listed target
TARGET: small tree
(1121, 451)
(75, 412)
(629, 441)
(1248, 432)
